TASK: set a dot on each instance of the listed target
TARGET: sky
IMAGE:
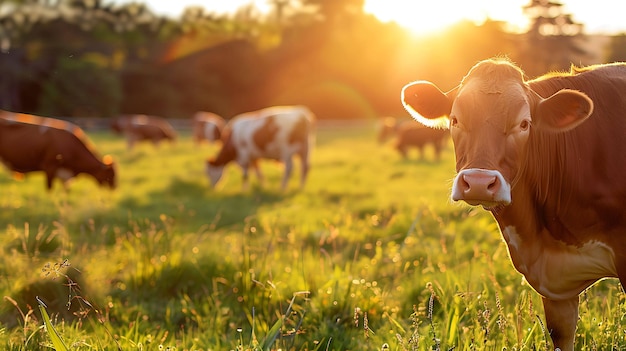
(598, 16)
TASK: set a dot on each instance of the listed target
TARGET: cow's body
(413, 135)
(141, 127)
(547, 157)
(276, 133)
(207, 126)
(57, 148)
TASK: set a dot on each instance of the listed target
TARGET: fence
(184, 125)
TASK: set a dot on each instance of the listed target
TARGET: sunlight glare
(422, 17)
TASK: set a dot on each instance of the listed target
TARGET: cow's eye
(524, 125)
(453, 122)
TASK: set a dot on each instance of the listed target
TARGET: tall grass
(369, 255)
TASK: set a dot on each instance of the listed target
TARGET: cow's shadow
(193, 204)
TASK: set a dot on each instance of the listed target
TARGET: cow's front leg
(304, 172)
(561, 319)
(130, 141)
(287, 175)
(257, 171)
(50, 175)
(402, 149)
(246, 176)
(438, 146)
(50, 169)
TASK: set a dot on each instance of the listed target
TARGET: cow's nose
(481, 187)
(479, 183)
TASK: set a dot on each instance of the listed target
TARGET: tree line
(91, 58)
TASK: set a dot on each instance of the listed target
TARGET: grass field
(370, 254)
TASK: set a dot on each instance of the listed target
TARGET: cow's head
(491, 115)
(116, 125)
(228, 152)
(106, 174)
(388, 128)
(214, 171)
(216, 132)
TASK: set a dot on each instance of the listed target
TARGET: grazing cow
(388, 128)
(276, 133)
(413, 135)
(58, 148)
(141, 127)
(547, 158)
(207, 126)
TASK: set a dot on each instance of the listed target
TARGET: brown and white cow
(410, 134)
(207, 126)
(547, 158)
(276, 133)
(58, 148)
(142, 127)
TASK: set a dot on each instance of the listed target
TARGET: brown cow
(276, 133)
(142, 127)
(60, 149)
(413, 135)
(388, 128)
(547, 158)
(207, 126)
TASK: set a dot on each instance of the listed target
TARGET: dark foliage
(79, 58)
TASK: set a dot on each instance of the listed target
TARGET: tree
(36, 35)
(336, 8)
(552, 42)
(79, 87)
(617, 50)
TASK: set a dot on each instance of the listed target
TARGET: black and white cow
(276, 133)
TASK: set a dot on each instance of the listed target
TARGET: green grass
(370, 253)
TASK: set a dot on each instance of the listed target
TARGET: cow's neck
(520, 228)
(227, 154)
(89, 165)
(565, 184)
(545, 202)
(543, 249)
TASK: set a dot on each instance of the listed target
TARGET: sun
(431, 16)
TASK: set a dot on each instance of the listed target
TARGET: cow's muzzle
(481, 187)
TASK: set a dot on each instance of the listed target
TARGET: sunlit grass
(370, 252)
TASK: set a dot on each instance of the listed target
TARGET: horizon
(601, 18)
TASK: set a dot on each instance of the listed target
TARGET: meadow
(369, 255)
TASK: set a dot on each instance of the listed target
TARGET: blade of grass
(273, 333)
(57, 341)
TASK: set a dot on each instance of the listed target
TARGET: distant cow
(410, 134)
(276, 133)
(58, 148)
(207, 126)
(388, 128)
(547, 158)
(142, 127)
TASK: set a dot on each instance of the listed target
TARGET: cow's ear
(562, 111)
(427, 103)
